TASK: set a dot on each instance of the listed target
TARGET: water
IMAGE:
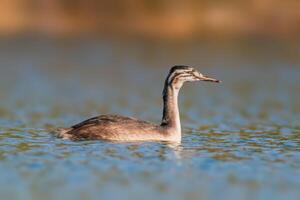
(241, 139)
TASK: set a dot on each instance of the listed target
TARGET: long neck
(171, 117)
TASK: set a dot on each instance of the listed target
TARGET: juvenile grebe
(114, 127)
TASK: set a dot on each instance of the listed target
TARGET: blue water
(241, 139)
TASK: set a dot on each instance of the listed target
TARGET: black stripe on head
(176, 78)
(179, 67)
(177, 71)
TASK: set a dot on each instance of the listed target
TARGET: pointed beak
(205, 78)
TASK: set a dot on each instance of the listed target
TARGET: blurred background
(172, 19)
(63, 61)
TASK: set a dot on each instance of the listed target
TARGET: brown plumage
(120, 128)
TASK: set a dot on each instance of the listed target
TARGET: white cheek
(190, 79)
(170, 79)
(178, 84)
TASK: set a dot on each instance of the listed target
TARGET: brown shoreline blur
(165, 19)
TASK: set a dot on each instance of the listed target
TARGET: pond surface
(241, 139)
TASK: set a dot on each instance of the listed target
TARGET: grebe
(119, 128)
